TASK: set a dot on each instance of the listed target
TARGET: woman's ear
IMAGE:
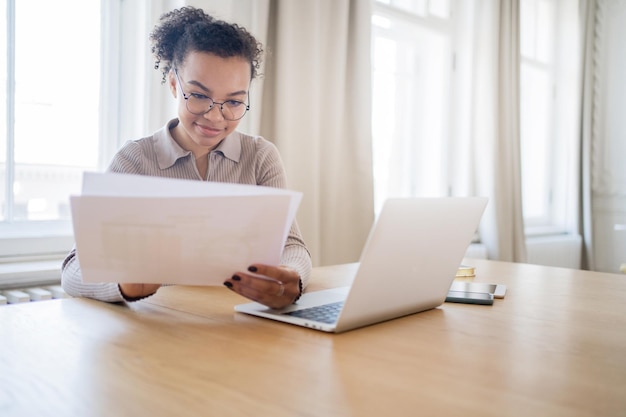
(171, 81)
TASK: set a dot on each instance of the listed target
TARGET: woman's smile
(208, 131)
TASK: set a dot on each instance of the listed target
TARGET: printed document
(141, 229)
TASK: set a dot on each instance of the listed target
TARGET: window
(50, 68)
(412, 70)
(421, 51)
(537, 79)
(548, 73)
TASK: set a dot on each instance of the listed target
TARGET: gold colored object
(465, 273)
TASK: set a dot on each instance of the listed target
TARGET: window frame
(562, 190)
(31, 240)
(446, 29)
(543, 223)
(560, 216)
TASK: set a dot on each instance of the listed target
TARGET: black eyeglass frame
(221, 105)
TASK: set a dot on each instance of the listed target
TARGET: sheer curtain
(588, 16)
(143, 104)
(313, 101)
(316, 108)
(496, 127)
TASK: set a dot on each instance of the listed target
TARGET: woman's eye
(234, 103)
(199, 96)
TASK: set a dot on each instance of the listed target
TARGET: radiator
(558, 250)
(30, 294)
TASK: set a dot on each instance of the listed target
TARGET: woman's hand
(273, 286)
(133, 292)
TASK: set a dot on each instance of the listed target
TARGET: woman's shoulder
(138, 155)
(250, 138)
(147, 143)
(255, 142)
(136, 147)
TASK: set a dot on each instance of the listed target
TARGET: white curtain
(496, 127)
(143, 104)
(313, 101)
(588, 16)
(316, 108)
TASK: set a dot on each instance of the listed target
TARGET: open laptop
(407, 266)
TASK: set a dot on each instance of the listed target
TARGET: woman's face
(208, 75)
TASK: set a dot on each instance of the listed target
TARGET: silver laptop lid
(410, 258)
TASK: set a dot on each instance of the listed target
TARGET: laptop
(407, 266)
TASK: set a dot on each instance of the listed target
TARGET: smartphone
(469, 297)
(498, 290)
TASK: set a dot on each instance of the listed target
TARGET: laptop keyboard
(326, 313)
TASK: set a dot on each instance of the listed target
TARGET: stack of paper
(132, 228)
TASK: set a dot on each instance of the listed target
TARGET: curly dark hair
(190, 29)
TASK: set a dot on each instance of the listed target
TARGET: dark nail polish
(236, 278)
(228, 284)
(252, 269)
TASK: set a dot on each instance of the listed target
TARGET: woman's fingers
(273, 286)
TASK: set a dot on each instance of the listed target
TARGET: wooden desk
(555, 346)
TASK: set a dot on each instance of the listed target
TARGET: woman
(208, 65)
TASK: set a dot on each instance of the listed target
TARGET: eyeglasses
(200, 104)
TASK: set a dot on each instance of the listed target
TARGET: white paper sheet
(131, 228)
